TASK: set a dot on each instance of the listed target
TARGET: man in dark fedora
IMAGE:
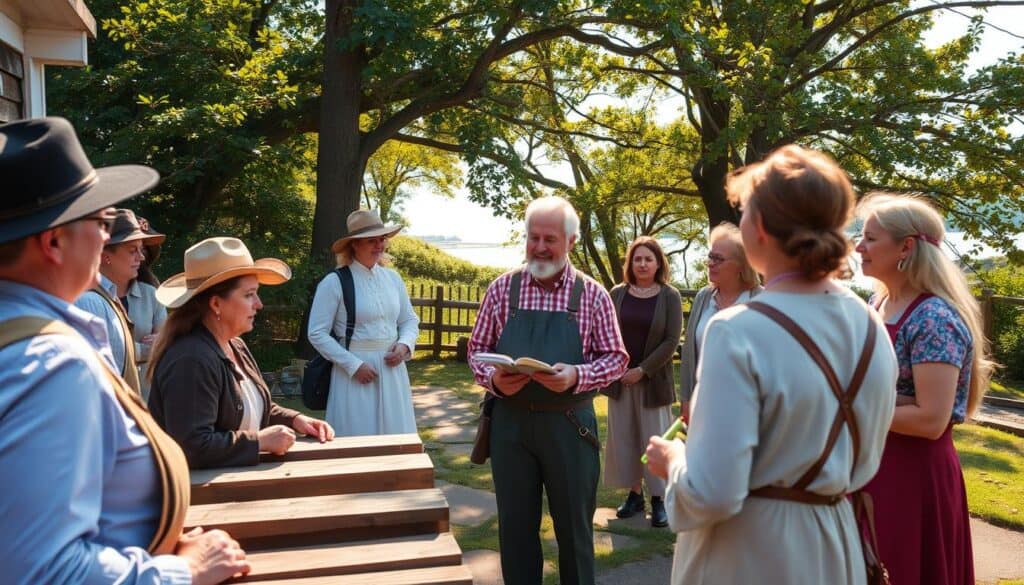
(94, 492)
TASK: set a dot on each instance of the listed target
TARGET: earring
(901, 265)
(218, 316)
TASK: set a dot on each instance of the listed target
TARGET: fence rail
(449, 312)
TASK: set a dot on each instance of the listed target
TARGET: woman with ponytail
(934, 323)
(793, 398)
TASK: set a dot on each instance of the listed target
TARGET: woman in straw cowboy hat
(208, 392)
(119, 267)
(370, 392)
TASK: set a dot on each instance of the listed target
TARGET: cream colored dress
(763, 422)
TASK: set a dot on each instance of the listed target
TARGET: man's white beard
(544, 269)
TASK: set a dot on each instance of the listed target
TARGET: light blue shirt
(94, 303)
(81, 495)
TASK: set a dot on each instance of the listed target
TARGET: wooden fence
(457, 307)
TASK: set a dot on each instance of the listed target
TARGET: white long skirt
(382, 407)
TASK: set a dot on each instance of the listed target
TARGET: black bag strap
(348, 296)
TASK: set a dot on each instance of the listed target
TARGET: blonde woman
(934, 324)
(370, 392)
(793, 400)
(731, 280)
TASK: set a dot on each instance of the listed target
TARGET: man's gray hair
(555, 203)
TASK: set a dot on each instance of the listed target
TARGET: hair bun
(820, 252)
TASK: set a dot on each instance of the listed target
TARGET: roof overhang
(51, 15)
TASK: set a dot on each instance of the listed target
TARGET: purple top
(931, 331)
(635, 322)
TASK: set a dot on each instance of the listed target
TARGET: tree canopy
(545, 96)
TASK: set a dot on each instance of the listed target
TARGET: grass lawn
(993, 464)
(1007, 389)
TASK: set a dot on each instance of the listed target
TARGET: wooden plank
(324, 519)
(393, 554)
(306, 448)
(319, 477)
(457, 575)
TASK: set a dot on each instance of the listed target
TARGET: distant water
(485, 254)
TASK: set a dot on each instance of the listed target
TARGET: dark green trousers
(532, 452)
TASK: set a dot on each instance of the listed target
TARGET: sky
(430, 214)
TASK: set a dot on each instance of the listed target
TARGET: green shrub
(1007, 320)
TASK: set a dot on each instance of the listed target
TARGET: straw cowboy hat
(213, 261)
(364, 223)
(48, 181)
(128, 228)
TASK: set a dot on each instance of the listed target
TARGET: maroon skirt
(924, 530)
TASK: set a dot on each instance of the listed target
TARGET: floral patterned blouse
(934, 333)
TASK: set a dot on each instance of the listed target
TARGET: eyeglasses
(716, 259)
(105, 220)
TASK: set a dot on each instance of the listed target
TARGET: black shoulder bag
(316, 377)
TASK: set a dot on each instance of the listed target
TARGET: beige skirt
(630, 426)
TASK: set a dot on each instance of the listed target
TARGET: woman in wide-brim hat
(121, 263)
(111, 300)
(369, 391)
(207, 390)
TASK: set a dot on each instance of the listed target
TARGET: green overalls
(540, 438)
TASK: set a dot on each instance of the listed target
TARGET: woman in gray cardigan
(640, 403)
(731, 281)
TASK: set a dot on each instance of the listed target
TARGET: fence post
(438, 319)
(987, 316)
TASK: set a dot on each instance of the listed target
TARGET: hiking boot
(633, 505)
(659, 518)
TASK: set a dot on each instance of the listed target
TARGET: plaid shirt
(604, 355)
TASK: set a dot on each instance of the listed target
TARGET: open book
(523, 365)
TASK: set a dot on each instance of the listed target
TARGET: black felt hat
(46, 180)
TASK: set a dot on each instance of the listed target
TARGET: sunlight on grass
(1007, 389)
(993, 464)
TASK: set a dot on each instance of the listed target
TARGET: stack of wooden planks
(356, 510)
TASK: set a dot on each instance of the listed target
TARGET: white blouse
(384, 315)
(252, 406)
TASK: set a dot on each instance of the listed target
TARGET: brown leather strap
(129, 371)
(845, 413)
(863, 507)
(171, 464)
(795, 495)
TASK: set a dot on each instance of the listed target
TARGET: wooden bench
(360, 510)
(306, 448)
(458, 575)
(317, 477)
(393, 554)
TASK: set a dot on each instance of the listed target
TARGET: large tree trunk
(340, 163)
(711, 169)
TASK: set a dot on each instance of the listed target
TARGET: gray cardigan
(662, 340)
(688, 367)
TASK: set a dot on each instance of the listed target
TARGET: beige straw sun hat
(364, 223)
(213, 261)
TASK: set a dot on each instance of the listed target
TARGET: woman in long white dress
(757, 492)
(370, 393)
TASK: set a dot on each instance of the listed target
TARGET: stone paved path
(450, 425)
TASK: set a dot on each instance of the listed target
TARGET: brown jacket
(662, 339)
(196, 397)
